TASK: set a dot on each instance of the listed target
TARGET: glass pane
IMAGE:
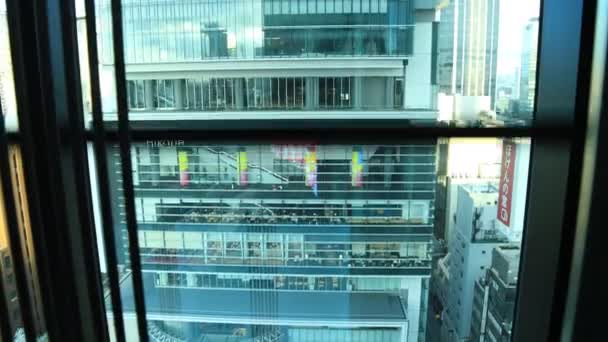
(486, 61)
(472, 61)
(317, 225)
(479, 224)
(271, 242)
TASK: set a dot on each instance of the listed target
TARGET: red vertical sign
(505, 190)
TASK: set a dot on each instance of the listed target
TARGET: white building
(475, 231)
(469, 254)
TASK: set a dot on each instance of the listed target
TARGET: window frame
(46, 59)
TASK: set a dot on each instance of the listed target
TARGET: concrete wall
(414, 293)
(374, 92)
(426, 4)
(464, 213)
(468, 108)
(418, 89)
(468, 260)
(476, 256)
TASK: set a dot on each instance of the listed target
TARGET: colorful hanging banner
(310, 169)
(292, 153)
(242, 167)
(182, 160)
(357, 168)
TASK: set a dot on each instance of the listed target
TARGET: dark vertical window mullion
(102, 174)
(232, 100)
(19, 268)
(271, 93)
(286, 93)
(341, 91)
(333, 91)
(127, 176)
(247, 94)
(186, 94)
(225, 103)
(325, 93)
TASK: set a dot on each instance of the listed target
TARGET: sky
(514, 15)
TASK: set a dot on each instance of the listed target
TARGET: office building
(494, 297)
(468, 42)
(481, 218)
(479, 315)
(461, 161)
(467, 52)
(527, 86)
(290, 239)
(288, 230)
(278, 59)
(271, 229)
(469, 253)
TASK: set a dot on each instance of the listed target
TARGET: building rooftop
(509, 252)
(482, 194)
(476, 213)
(505, 262)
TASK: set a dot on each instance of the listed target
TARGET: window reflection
(417, 227)
(335, 92)
(137, 94)
(163, 93)
(168, 31)
(295, 230)
(308, 224)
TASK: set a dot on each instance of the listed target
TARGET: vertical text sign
(505, 190)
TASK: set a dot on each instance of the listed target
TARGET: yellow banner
(182, 160)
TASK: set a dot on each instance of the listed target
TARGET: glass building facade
(286, 224)
(272, 233)
(269, 55)
(266, 94)
(221, 186)
(194, 30)
(468, 46)
(527, 79)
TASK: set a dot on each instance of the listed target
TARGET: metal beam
(126, 167)
(563, 74)
(105, 198)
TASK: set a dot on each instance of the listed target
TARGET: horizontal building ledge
(160, 115)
